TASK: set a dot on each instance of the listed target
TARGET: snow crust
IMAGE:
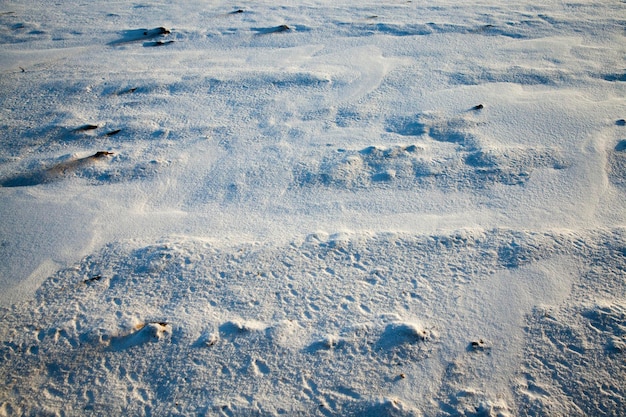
(315, 208)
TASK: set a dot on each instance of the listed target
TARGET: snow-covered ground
(317, 208)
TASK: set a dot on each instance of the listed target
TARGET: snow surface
(316, 208)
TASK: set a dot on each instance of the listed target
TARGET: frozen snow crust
(315, 208)
(351, 325)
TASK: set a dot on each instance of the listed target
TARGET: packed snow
(331, 208)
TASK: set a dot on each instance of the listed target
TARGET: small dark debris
(86, 127)
(92, 279)
(478, 346)
(621, 122)
(237, 11)
(402, 376)
(138, 35)
(113, 132)
(283, 28)
(157, 31)
(478, 107)
(130, 90)
(158, 43)
(101, 154)
(22, 69)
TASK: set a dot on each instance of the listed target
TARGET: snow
(315, 208)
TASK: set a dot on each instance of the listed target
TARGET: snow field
(312, 209)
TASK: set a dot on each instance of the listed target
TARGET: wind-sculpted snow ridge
(103, 167)
(446, 155)
(412, 166)
(346, 324)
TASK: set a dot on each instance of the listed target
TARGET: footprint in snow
(616, 164)
(236, 328)
(143, 333)
(456, 130)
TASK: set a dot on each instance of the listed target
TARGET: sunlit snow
(331, 208)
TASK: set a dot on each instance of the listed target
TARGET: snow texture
(313, 209)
